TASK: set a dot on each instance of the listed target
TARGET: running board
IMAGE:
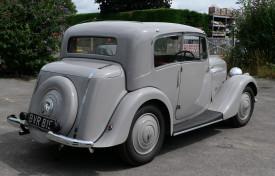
(206, 118)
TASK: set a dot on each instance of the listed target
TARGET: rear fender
(123, 116)
(227, 99)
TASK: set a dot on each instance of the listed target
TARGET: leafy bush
(186, 17)
(256, 30)
(30, 34)
(239, 57)
(267, 71)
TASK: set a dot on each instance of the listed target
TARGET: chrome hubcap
(245, 106)
(145, 133)
(47, 107)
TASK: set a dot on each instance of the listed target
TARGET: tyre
(245, 109)
(145, 138)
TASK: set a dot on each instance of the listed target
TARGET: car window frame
(153, 49)
(91, 36)
(200, 35)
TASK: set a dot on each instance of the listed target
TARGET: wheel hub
(145, 133)
(47, 107)
(148, 134)
(245, 106)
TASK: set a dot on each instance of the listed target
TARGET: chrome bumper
(69, 141)
(13, 120)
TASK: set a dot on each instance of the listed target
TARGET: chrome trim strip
(191, 129)
(92, 74)
(217, 69)
(69, 141)
(79, 114)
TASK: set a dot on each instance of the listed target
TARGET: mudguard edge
(227, 99)
(123, 116)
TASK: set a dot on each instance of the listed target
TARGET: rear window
(93, 45)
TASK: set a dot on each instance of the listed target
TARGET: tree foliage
(70, 5)
(256, 30)
(30, 34)
(113, 6)
(179, 16)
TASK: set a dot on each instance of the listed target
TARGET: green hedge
(186, 17)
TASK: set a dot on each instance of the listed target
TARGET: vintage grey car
(128, 84)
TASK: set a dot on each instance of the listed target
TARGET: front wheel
(245, 109)
(145, 138)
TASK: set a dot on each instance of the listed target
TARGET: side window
(191, 48)
(194, 48)
(166, 49)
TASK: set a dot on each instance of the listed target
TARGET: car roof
(129, 28)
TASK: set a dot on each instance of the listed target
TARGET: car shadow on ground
(187, 139)
(29, 157)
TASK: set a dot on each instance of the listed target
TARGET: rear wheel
(145, 138)
(245, 109)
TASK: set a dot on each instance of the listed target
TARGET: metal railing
(219, 46)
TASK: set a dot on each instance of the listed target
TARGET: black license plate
(40, 121)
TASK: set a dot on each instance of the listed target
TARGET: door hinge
(178, 106)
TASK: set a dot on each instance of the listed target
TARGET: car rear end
(73, 101)
(74, 98)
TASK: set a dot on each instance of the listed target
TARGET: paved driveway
(214, 150)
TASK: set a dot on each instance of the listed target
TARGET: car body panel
(96, 111)
(124, 114)
(195, 88)
(88, 75)
(218, 72)
(227, 98)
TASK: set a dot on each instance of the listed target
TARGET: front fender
(227, 100)
(123, 116)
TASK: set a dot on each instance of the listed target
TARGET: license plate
(40, 121)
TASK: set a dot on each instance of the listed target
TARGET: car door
(195, 79)
(166, 74)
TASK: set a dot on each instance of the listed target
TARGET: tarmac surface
(214, 150)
